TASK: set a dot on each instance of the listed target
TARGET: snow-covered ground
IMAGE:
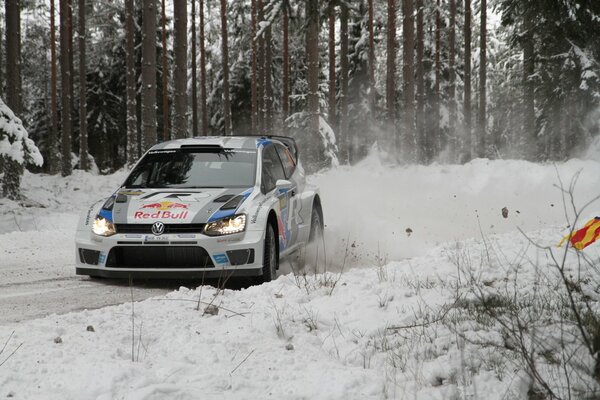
(370, 330)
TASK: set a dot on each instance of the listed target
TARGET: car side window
(272, 170)
(286, 159)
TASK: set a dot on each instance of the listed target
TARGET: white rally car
(204, 207)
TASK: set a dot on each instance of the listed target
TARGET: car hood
(146, 206)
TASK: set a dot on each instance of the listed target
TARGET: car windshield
(194, 168)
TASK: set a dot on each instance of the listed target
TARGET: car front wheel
(270, 257)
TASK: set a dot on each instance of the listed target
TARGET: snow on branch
(14, 139)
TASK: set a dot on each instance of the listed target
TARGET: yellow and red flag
(585, 236)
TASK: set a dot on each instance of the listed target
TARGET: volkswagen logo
(158, 228)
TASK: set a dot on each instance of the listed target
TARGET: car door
(272, 171)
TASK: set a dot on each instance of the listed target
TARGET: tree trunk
(65, 72)
(332, 85)
(286, 66)
(452, 82)
(12, 169)
(52, 158)
(421, 132)
(83, 138)
(312, 57)
(371, 60)
(254, 77)
(225, 66)
(130, 77)
(345, 140)
(2, 62)
(180, 74)
(194, 74)
(268, 82)
(528, 89)
(203, 95)
(408, 29)
(481, 120)
(261, 72)
(71, 64)
(149, 137)
(390, 84)
(165, 75)
(436, 142)
(467, 83)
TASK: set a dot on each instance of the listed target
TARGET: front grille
(169, 228)
(158, 257)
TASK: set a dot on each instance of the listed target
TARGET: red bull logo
(162, 210)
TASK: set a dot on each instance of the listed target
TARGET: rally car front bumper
(170, 256)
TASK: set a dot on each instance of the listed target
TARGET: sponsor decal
(162, 210)
(160, 215)
(260, 206)
(221, 258)
(131, 192)
(101, 258)
(165, 205)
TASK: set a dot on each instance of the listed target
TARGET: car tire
(314, 248)
(270, 256)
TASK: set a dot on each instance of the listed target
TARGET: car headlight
(226, 226)
(103, 227)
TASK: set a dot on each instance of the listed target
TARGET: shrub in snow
(16, 150)
(14, 140)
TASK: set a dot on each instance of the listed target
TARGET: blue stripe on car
(106, 214)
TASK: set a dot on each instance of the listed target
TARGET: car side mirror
(283, 184)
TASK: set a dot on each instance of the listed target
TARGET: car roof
(229, 142)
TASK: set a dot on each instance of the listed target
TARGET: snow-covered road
(370, 204)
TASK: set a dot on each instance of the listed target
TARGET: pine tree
(180, 74)
(65, 68)
(194, 74)
(408, 30)
(452, 82)
(225, 69)
(165, 74)
(12, 169)
(332, 79)
(481, 119)
(84, 163)
(390, 87)
(149, 136)
(345, 140)
(312, 58)
(436, 142)
(132, 142)
(372, 88)
(52, 159)
(467, 83)
(286, 66)
(203, 94)
(421, 132)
